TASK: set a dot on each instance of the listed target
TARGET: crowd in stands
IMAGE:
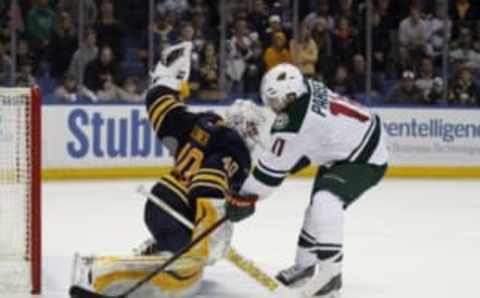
(106, 58)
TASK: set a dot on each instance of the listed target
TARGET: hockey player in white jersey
(315, 126)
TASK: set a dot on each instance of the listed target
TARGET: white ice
(405, 238)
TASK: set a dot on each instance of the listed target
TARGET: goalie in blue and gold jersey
(211, 157)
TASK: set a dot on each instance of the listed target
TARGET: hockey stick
(79, 292)
(245, 265)
(165, 207)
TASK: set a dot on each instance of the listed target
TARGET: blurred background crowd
(409, 52)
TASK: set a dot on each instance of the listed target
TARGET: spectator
(11, 15)
(25, 76)
(323, 11)
(476, 40)
(464, 91)
(199, 6)
(464, 13)
(404, 62)
(283, 8)
(24, 55)
(5, 67)
(258, 18)
(101, 69)
(186, 35)
(67, 91)
(84, 55)
(436, 93)
(277, 53)
(343, 41)
(380, 43)
(176, 6)
(341, 82)
(412, 34)
(275, 26)
(435, 31)
(209, 68)
(400, 10)
(463, 53)
(110, 31)
(109, 90)
(201, 32)
(239, 50)
(304, 52)
(171, 20)
(163, 36)
(322, 38)
(40, 26)
(90, 10)
(255, 70)
(129, 91)
(405, 91)
(132, 14)
(345, 10)
(63, 46)
(4, 8)
(426, 77)
(384, 10)
(359, 77)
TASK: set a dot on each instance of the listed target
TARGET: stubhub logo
(94, 133)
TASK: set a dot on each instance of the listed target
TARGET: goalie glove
(239, 207)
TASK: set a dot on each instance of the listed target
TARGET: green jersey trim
(369, 143)
(372, 143)
(365, 138)
(267, 178)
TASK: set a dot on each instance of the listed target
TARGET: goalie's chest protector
(329, 128)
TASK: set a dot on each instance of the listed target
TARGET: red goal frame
(35, 238)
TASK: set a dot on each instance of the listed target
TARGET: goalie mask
(247, 119)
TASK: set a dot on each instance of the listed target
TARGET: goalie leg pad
(169, 234)
(110, 275)
(215, 246)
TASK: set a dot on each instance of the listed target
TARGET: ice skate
(295, 276)
(326, 283)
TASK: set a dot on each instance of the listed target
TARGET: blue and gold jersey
(209, 157)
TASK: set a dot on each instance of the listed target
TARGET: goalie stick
(239, 261)
(79, 292)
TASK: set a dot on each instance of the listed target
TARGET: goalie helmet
(247, 119)
(279, 85)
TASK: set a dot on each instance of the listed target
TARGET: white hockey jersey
(321, 128)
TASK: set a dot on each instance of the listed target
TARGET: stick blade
(79, 292)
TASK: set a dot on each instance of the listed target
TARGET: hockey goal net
(20, 220)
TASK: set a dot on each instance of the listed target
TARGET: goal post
(20, 190)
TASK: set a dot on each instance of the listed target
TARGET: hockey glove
(239, 207)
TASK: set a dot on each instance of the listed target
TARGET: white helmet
(247, 119)
(279, 83)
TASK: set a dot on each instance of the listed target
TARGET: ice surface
(403, 239)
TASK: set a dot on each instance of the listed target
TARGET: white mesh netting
(15, 132)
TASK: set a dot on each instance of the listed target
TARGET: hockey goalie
(211, 157)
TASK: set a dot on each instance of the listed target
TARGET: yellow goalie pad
(113, 275)
(215, 246)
